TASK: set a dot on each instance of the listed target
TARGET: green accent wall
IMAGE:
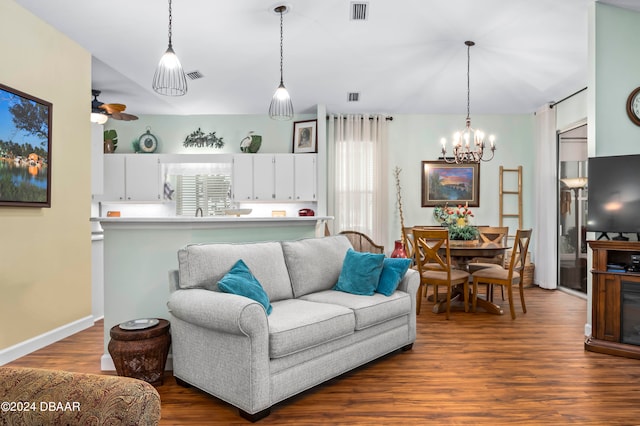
(617, 73)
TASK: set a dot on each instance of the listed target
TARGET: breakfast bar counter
(182, 222)
(140, 251)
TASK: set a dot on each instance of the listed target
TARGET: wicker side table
(141, 354)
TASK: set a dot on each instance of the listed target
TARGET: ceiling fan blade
(111, 108)
(115, 115)
(114, 111)
(127, 117)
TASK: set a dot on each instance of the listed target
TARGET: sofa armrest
(410, 282)
(219, 311)
(62, 397)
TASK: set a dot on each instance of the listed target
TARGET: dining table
(461, 254)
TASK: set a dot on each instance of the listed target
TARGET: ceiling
(407, 57)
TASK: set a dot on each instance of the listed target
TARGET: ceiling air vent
(353, 97)
(194, 75)
(359, 11)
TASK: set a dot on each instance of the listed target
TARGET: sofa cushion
(315, 263)
(203, 265)
(239, 280)
(368, 310)
(296, 325)
(360, 273)
(393, 269)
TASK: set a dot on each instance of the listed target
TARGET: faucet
(199, 209)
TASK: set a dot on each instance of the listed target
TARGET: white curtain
(546, 177)
(358, 178)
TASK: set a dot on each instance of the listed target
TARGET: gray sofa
(227, 346)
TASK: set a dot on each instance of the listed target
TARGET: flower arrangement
(458, 221)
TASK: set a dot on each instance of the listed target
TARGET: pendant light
(169, 79)
(281, 107)
(468, 144)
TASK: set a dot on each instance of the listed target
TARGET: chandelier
(468, 144)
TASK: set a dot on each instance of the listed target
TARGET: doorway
(572, 208)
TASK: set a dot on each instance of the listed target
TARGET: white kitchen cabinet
(142, 177)
(274, 177)
(263, 177)
(284, 175)
(242, 177)
(131, 177)
(305, 172)
(113, 183)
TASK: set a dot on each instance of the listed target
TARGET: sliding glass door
(572, 208)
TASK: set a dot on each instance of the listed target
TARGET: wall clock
(148, 142)
(633, 106)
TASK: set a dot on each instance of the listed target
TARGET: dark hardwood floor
(473, 369)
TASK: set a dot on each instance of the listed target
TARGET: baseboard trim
(31, 345)
(106, 363)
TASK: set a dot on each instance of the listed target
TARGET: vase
(108, 146)
(398, 250)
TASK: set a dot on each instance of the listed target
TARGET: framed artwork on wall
(25, 149)
(305, 137)
(450, 183)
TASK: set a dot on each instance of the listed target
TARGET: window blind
(207, 192)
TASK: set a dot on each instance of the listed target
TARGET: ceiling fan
(115, 111)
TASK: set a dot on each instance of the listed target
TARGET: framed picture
(25, 149)
(305, 137)
(450, 183)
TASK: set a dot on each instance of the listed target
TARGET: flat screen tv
(614, 194)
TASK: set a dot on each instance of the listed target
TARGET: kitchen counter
(209, 222)
(139, 252)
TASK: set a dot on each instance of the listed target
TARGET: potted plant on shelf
(457, 219)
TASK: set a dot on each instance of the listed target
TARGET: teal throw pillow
(239, 280)
(360, 273)
(393, 269)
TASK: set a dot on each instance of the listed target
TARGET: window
(207, 192)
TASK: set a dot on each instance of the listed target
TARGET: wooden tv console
(606, 332)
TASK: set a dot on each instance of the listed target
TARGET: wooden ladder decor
(508, 195)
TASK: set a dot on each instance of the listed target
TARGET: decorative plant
(466, 232)
(396, 174)
(199, 139)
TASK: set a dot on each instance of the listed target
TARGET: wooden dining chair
(431, 246)
(407, 240)
(496, 235)
(362, 243)
(506, 277)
